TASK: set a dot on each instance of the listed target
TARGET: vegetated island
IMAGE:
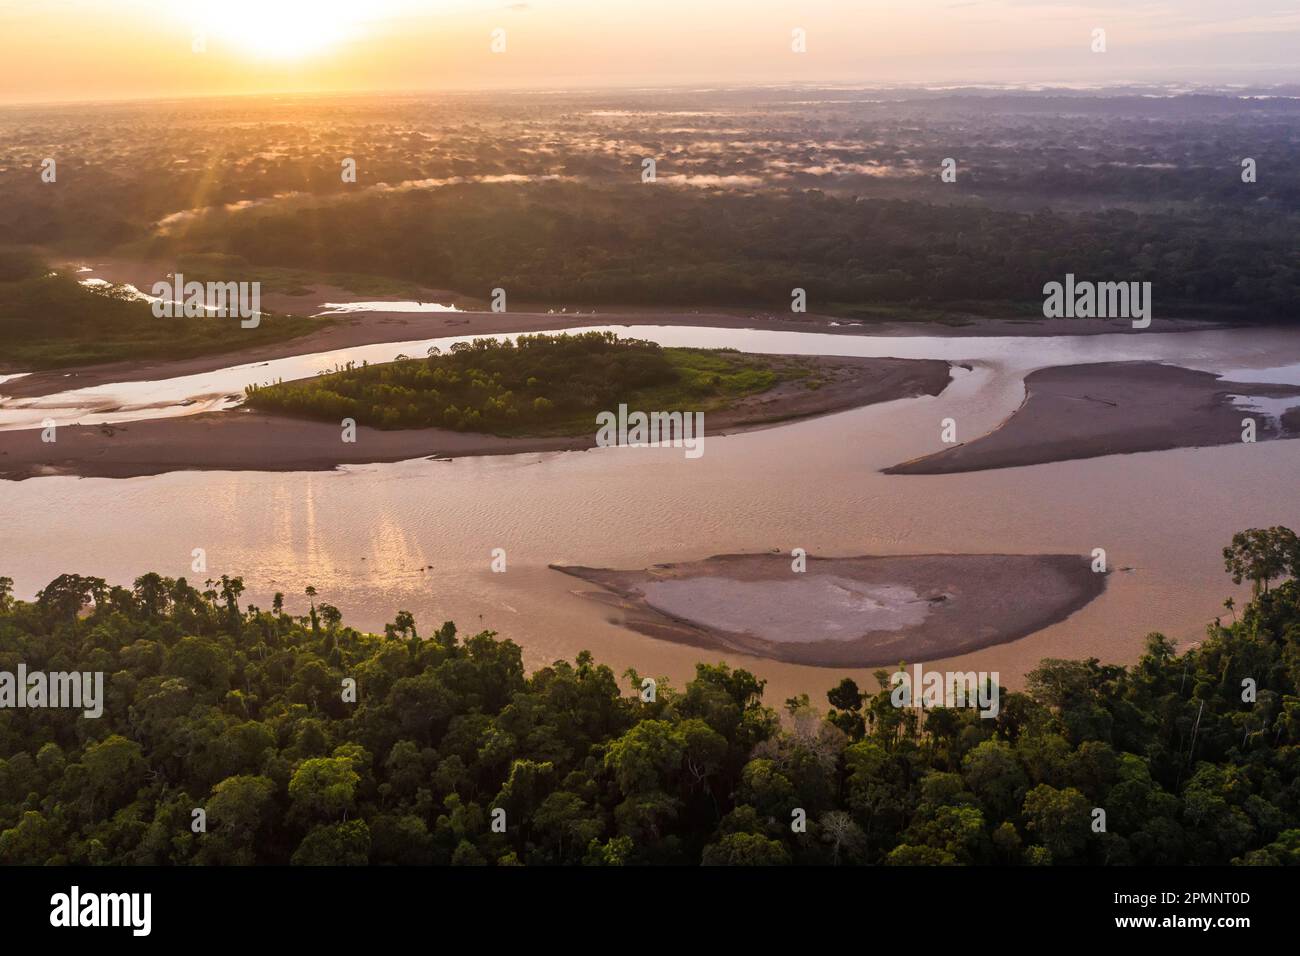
(848, 612)
(212, 701)
(1111, 408)
(481, 398)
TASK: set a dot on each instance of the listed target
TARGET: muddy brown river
(419, 535)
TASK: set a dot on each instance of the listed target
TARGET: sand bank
(848, 612)
(1112, 408)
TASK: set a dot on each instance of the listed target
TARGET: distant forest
(51, 321)
(242, 712)
(566, 244)
(758, 193)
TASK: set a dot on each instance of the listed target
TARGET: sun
(280, 29)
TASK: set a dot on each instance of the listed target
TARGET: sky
(60, 50)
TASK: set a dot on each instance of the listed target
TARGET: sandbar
(1113, 408)
(847, 612)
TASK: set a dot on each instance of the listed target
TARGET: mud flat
(242, 440)
(847, 612)
(1113, 408)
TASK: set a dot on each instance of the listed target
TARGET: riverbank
(848, 612)
(1113, 408)
(353, 329)
(243, 440)
(372, 328)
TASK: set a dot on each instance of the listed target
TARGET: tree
(1284, 851)
(848, 717)
(331, 615)
(323, 788)
(996, 778)
(525, 788)
(152, 593)
(1061, 819)
(764, 787)
(310, 591)
(906, 854)
(467, 854)
(231, 589)
(1262, 554)
(114, 769)
(340, 844)
(202, 664)
(402, 840)
(403, 624)
(65, 596)
(844, 835)
(745, 849)
(615, 852)
(33, 840)
(845, 695)
(237, 810)
(645, 757)
(564, 818)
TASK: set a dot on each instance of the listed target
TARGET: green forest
(471, 194)
(562, 243)
(243, 712)
(50, 320)
(538, 384)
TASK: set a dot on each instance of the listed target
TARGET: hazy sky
(108, 49)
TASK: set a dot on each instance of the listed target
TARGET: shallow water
(774, 610)
(419, 535)
(409, 305)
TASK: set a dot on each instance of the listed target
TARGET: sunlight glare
(282, 29)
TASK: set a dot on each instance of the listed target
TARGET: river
(419, 535)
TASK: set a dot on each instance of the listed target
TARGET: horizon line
(931, 86)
